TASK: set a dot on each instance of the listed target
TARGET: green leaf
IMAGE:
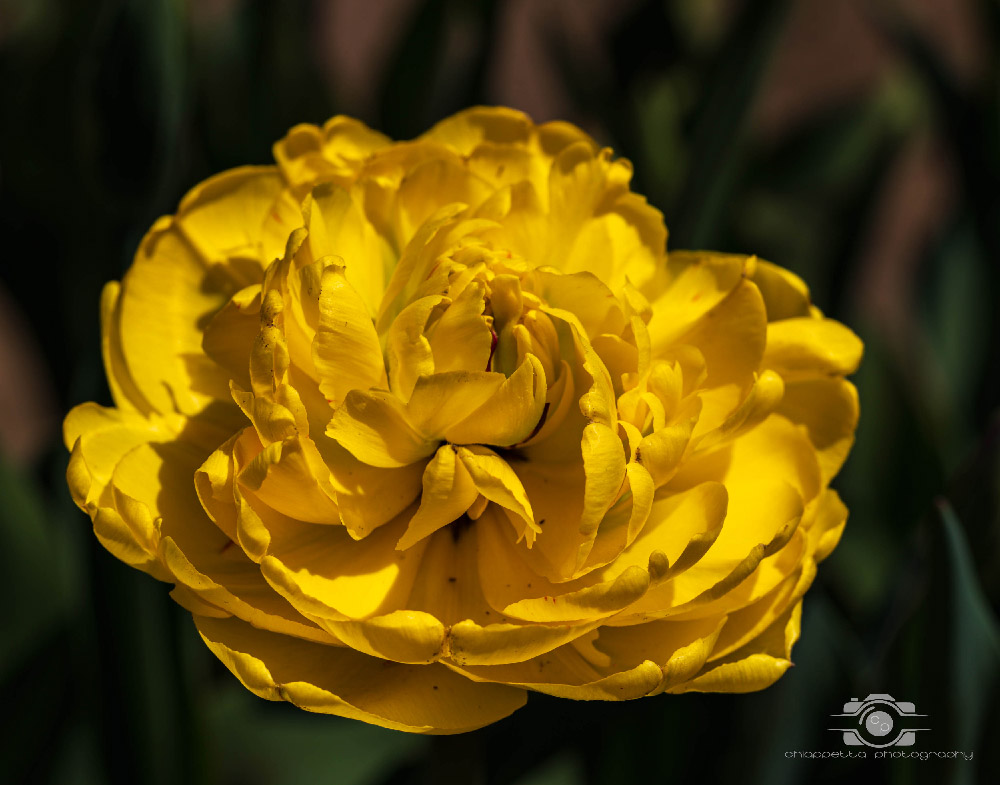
(974, 634)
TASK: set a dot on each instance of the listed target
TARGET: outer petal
(99, 437)
(329, 680)
(197, 553)
(566, 673)
(337, 151)
(785, 294)
(495, 644)
(750, 674)
(691, 285)
(829, 410)
(769, 475)
(731, 337)
(223, 216)
(682, 647)
(756, 666)
(466, 130)
(811, 346)
(124, 391)
(185, 270)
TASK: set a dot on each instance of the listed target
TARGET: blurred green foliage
(111, 109)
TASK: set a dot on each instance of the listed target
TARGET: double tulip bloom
(414, 428)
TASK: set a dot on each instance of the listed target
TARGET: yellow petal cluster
(416, 427)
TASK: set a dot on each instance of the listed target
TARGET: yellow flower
(416, 427)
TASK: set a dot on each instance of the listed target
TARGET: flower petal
(346, 350)
(468, 129)
(503, 643)
(442, 400)
(510, 415)
(323, 571)
(681, 646)
(374, 428)
(811, 347)
(448, 490)
(758, 665)
(565, 673)
(785, 294)
(829, 410)
(338, 227)
(333, 680)
(222, 217)
(124, 390)
(290, 477)
(461, 339)
(750, 674)
(692, 283)
(409, 351)
(495, 480)
(155, 480)
(514, 588)
(370, 496)
(99, 437)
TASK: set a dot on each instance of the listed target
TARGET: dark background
(855, 142)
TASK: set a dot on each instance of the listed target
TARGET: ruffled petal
(757, 665)
(338, 150)
(812, 347)
(99, 437)
(332, 680)
(566, 673)
(186, 268)
(153, 482)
